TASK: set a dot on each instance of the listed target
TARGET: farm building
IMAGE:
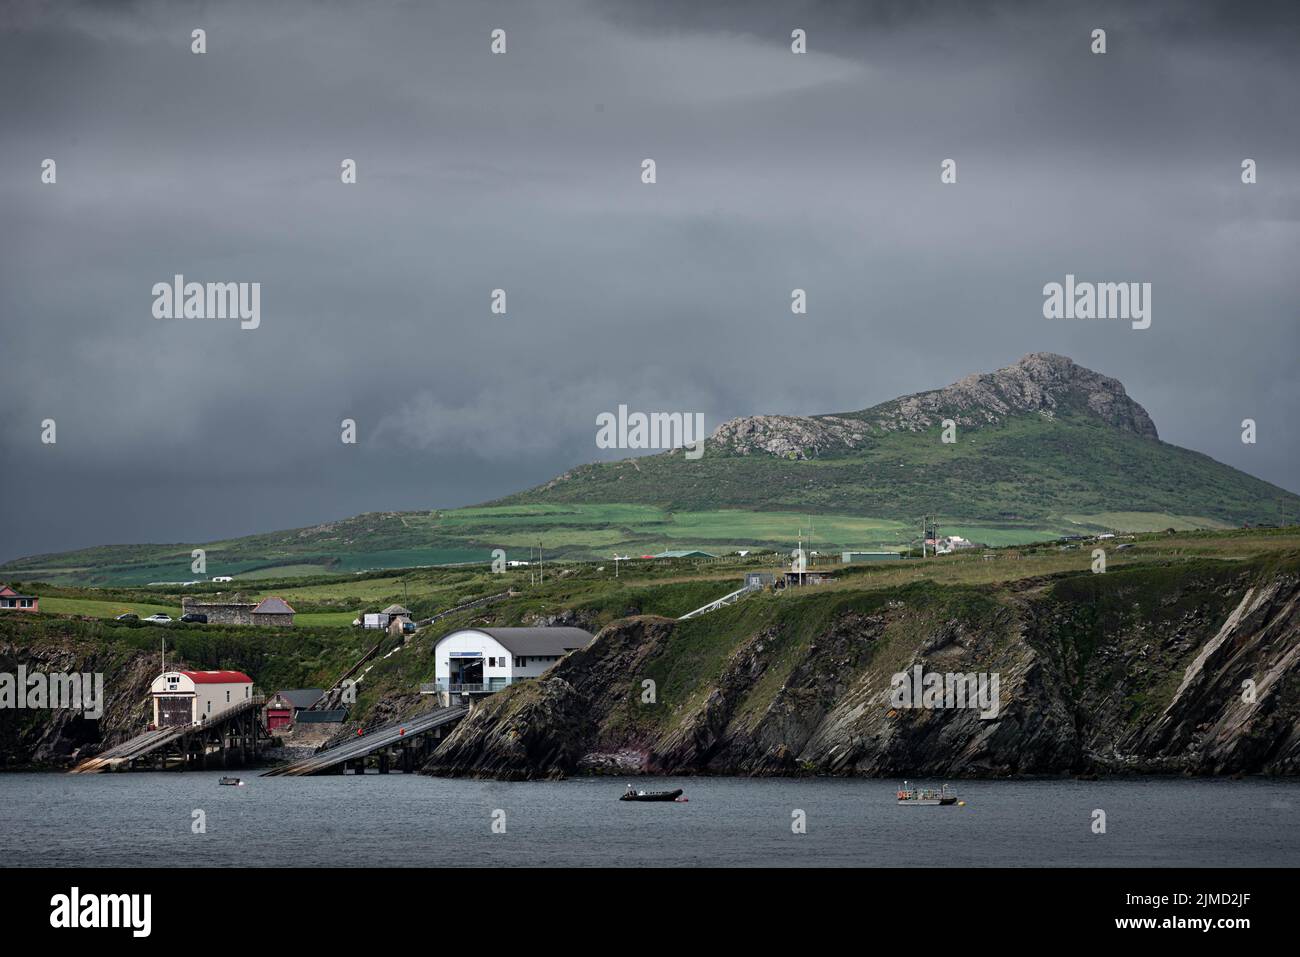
(850, 558)
(759, 579)
(192, 697)
(954, 543)
(11, 599)
(282, 707)
(273, 612)
(483, 660)
(385, 618)
(796, 578)
(270, 612)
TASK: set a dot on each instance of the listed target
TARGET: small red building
(11, 599)
(283, 706)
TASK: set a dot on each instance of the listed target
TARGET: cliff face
(54, 737)
(1132, 671)
(1041, 382)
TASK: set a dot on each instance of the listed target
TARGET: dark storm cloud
(522, 171)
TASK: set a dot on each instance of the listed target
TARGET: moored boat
(927, 797)
(631, 795)
(233, 782)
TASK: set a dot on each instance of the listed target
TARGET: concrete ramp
(409, 737)
(135, 747)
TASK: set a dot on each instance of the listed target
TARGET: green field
(1024, 479)
(55, 605)
(599, 531)
(92, 608)
(325, 619)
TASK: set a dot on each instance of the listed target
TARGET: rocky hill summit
(1041, 382)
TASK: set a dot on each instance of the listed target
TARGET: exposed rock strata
(1115, 673)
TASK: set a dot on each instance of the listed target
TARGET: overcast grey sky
(522, 171)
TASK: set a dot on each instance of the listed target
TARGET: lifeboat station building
(193, 697)
(484, 660)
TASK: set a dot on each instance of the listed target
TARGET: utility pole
(541, 574)
(923, 524)
(164, 654)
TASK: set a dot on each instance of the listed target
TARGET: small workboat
(233, 782)
(630, 795)
(927, 797)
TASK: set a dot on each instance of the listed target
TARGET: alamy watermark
(75, 909)
(934, 690)
(654, 430)
(179, 299)
(36, 690)
(1098, 300)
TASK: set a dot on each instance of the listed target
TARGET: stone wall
(269, 620)
(223, 612)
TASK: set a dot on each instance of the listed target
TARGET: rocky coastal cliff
(56, 737)
(1192, 668)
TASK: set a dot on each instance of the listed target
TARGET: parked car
(160, 619)
(129, 616)
(195, 618)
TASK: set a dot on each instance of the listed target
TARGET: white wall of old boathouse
(207, 699)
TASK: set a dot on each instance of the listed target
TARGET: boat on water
(233, 782)
(927, 797)
(632, 795)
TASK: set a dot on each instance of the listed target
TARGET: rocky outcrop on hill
(1041, 382)
(1127, 672)
(790, 436)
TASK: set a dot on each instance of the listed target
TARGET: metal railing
(460, 687)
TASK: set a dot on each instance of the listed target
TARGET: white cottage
(483, 660)
(192, 697)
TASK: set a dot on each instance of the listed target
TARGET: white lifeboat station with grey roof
(484, 660)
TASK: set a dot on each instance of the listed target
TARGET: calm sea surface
(406, 820)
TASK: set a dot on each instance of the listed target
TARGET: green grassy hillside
(1025, 479)
(1027, 470)
(1043, 448)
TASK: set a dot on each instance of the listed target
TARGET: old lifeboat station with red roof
(198, 717)
(187, 698)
